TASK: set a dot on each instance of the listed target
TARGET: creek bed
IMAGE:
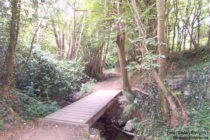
(109, 131)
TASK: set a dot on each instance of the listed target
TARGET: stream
(108, 130)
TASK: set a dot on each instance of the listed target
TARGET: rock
(135, 138)
(176, 84)
(121, 123)
(123, 100)
(94, 131)
(102, 138)
(94, 134)
(143, 138)
(187, 90)
(138, 138)
(129, 125)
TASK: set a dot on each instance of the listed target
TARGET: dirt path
(37, 132)
(112, 83)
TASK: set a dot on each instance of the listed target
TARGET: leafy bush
(199, 124)
(196, 103)
(86, 87)
(33, 108)
(21, 106)
(149, 61)
(2, 62)
(197, 86)
(111, 58)
(5, 115)
(47, 76)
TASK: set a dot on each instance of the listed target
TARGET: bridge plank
(87, 110)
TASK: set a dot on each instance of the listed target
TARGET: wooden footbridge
(86, 111)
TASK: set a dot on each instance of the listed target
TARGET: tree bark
(14, 28)
(175, 24)
(73, 50)
(198, 21)
(192, 39)
(165, 92)
(56, 34)
(208, 44)
(30, 50)
(162, 49)
(121, 52)
(122, 59)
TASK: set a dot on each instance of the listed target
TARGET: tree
(121, 52)
(165, 94)
(73, 44)
(161, 37)
(162, 49)
(14, 28)
(208, 44)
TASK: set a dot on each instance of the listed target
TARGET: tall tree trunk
(175, 24)
(198, 21)
(208, 44)
(122, 59)
(165, 92)
(189, 35)
(57, 38)
(72, 52)
(121, 52)
(30, 51)
(14, 28)
(192, 39)
(181, 39)
(168, 37)
(162, 49)
(184, 38)
(178, 38)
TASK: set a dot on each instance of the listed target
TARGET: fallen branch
(125, 132)
(144, 92)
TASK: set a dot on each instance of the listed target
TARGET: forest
(54, 53)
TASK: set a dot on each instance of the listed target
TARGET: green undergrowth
(150, 122)
(44, 80)
(199, 126)
(196, 68)
(33, 108)
(191, 60)
(5, 115)
(87, 87)
(23, 107)
(47, 76)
